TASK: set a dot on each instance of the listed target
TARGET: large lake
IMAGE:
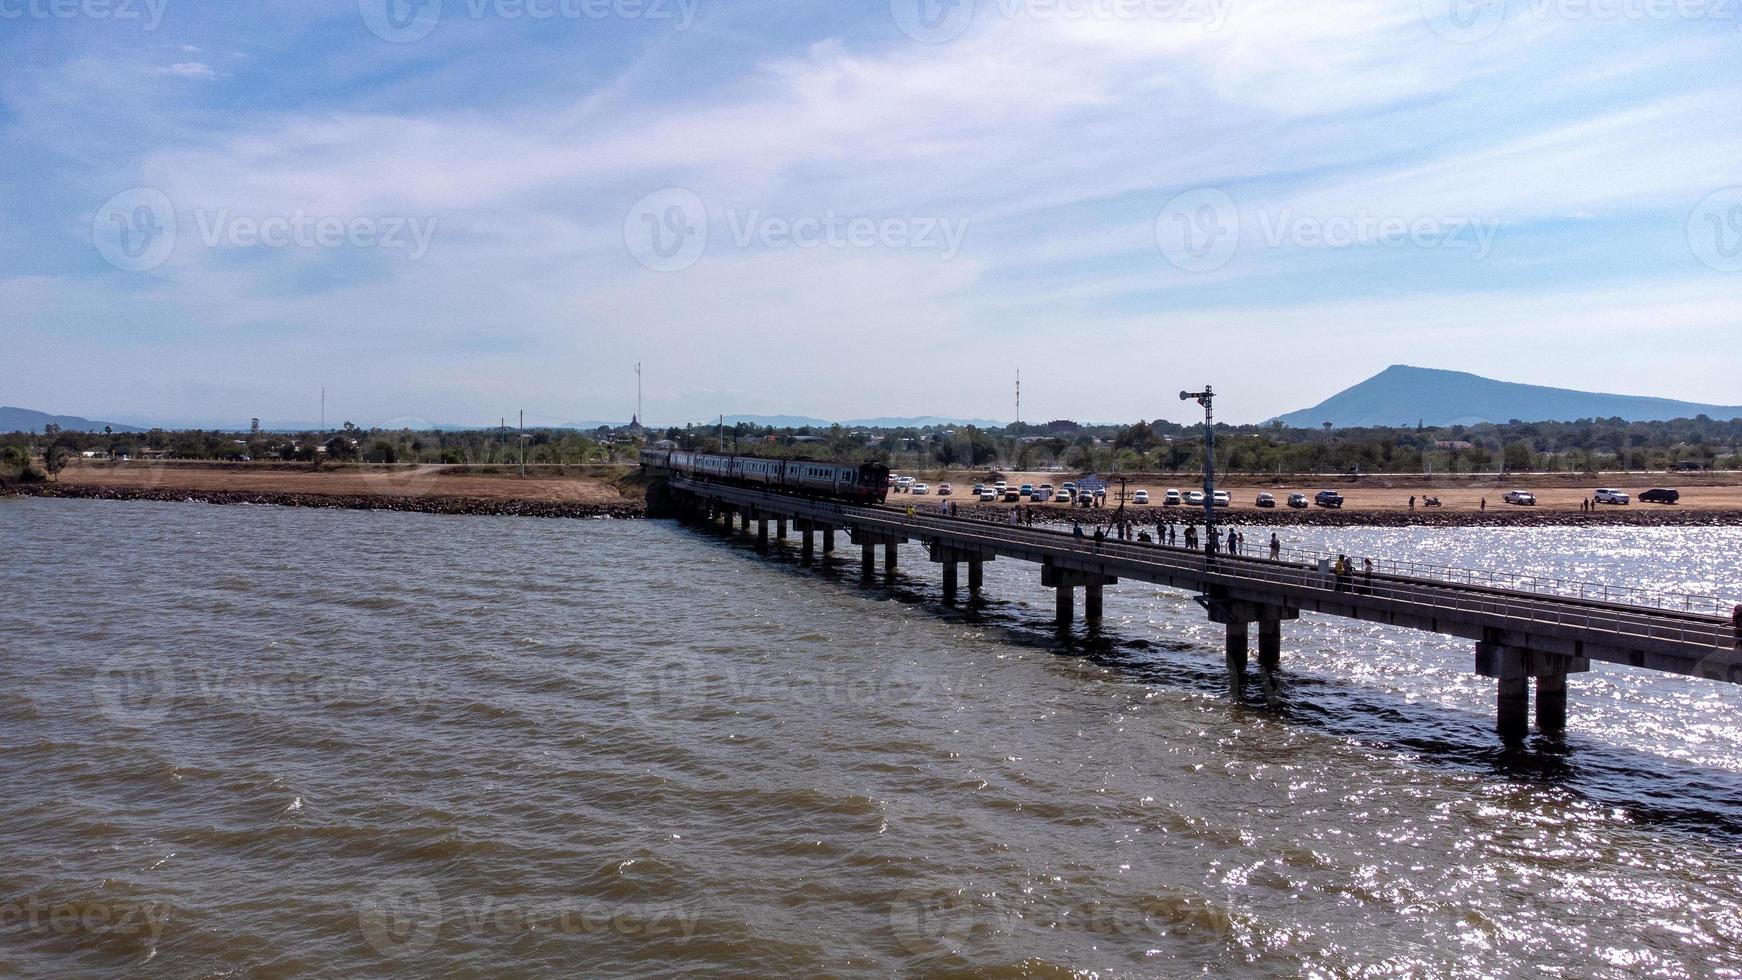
(264, 742)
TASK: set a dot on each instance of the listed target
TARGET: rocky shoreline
(469, 506)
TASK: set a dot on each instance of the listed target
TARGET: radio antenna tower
(638, 392)
(1019, 401)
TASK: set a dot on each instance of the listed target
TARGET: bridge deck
(1655, 638)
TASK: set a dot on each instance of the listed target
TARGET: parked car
(1329, 498)
(1608, 496)
(1171, 499)
(944, 490)
(1068, 486)
(919, 489)
(1140, 498)
(1026, 490)
(1660, 495)
(1523, 498)
(1266, 501)
(1042, 494)
(1223, 500)
(1194, 498)
(1297, 500)
(1063, 496)
(1687, 466)
(1045, 488)
(987, 496)
(979, 488)
(1013, 495)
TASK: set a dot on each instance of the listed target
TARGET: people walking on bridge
(1342, 572)
(1367, 576)
(1076, 529)
(1275, 546)
(1100, 536)
(1736, 621)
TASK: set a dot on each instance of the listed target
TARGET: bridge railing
(1491, 596)
(1547, 585)
(1427, 595)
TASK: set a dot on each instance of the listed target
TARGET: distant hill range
(26, 420)
(1403, 396)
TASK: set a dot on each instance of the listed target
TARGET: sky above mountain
(457, 209)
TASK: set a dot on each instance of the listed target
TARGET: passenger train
(863, 483)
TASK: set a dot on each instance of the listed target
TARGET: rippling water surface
(266, 742)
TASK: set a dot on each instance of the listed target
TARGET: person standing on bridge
(1275, 546)
(1412, 502)
(1076, 529)
(1736, 621)
(1100, 536)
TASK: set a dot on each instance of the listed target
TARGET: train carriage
(864, 483)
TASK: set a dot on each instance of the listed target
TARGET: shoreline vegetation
(616, 492)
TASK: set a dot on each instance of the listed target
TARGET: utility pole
(722, 434)
(1017, 452)
(638, 394)
(1207, 399)
(523, 444)
(323, 409)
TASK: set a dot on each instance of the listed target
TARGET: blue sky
(456, 209)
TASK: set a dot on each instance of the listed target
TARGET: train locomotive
(859, 483)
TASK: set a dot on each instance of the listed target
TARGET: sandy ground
(418, 481)
(1380, 494)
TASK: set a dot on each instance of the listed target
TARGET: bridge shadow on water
(1652, 789)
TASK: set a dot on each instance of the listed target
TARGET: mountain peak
(1403, 395)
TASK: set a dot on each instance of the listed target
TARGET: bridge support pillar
(810, 541)
(1269, 644)
(889, 554)
(780, 529)
(762, 533)
(1239, 643)
(976, 576)
(828, 539)
(1064, 607)
(1551, 704)
(1513, 668)
(950, 582)
(1066, 581)
(867, 559)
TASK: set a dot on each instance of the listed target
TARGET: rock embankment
(472, 506)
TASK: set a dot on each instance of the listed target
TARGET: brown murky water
(263, 742)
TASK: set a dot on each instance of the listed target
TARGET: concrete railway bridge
(1524, 630)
